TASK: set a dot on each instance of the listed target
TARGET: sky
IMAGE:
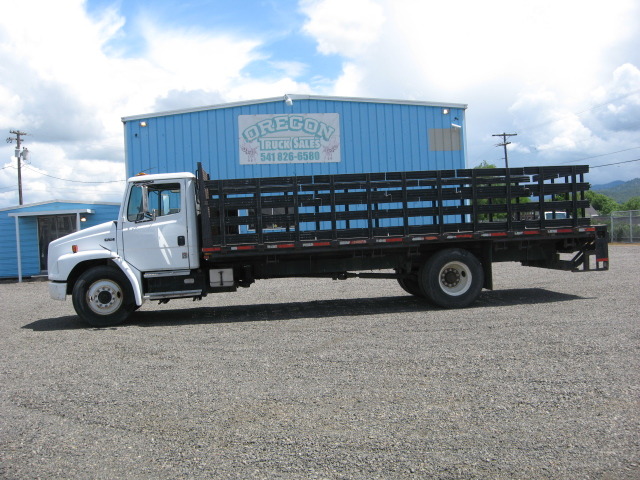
(562, 74)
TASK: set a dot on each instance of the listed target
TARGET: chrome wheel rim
(104, 297)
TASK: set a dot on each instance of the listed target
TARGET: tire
(411, 285)
(103, 297)
(451, 278)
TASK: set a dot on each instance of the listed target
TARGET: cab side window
(164, 199)
(149, 201)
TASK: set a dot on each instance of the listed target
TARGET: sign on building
(290, 138)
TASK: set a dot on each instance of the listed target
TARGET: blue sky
(562, 74)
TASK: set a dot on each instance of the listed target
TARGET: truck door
(155, 235)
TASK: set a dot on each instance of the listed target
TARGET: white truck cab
(154, 236)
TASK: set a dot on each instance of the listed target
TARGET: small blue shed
(298, 135)
(25, 232)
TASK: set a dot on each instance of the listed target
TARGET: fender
(135, 277)
(68, 262)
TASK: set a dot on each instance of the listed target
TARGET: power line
(616, 163)
(69, 180)
(597, 156)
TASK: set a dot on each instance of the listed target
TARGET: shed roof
(30, 206)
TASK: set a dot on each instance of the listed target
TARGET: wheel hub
(455, 278)
(104, 297)
(450, 277)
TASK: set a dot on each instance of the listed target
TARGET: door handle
(181, 241)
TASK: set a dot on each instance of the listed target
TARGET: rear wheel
(452, 278)
(103, 297)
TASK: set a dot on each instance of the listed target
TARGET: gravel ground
(305, 379)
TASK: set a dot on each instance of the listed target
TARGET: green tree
(603, 204)
(632, 204)
(485, 164)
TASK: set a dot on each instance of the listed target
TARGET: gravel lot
(304, 379)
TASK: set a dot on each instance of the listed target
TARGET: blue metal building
(25, 232)
(298, 135)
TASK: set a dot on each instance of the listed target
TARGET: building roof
(293, 97)
(49, 202)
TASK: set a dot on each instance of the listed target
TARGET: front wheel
(103, 297)
(452, 278)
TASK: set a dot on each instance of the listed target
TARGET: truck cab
(149, 252)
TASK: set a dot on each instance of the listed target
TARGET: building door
(50, 228)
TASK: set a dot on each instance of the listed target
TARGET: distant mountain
(607, 186)
(620, 191)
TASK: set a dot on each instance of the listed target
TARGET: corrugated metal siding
(28, 246)
(30, 249)
(8, 260)
(375, 137)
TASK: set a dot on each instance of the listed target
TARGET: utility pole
(504, 144)
(19, 156)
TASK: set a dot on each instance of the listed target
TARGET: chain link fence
(623, 226)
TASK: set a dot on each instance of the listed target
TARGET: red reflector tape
(282, 245)
(495, 234)
(531, 232)
(389, 240)
(317, 244)
(213, 249)
(565, 230)
(602, 259)
(590, 229)
(244, 247)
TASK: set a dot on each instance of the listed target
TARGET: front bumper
(58, 290)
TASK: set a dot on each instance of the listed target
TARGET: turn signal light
(74, 248)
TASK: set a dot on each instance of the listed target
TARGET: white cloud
(550, 70)
(344, 28)
(553, 129)
(499, 56)
(192, 59)
(67, 85)
(621, 96)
